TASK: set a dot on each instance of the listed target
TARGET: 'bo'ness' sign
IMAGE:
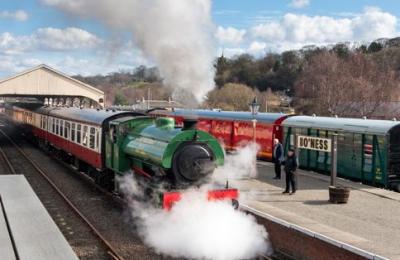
(314, 143)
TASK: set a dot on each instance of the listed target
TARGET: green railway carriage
(368, 150)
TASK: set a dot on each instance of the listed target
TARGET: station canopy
(45, 82)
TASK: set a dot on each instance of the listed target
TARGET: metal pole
(254, 129)
(148, 98)
(334, 160)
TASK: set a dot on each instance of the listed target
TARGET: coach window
(66, 129)
(78, 133)
(85, 135)
(97, 138)
(61, 127)
(73, 132)
(91, 137)
(45, 123)
(57, 126)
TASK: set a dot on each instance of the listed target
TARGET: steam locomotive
(108, 143)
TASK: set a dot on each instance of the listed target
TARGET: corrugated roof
(368, 126)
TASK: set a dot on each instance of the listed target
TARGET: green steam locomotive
(108, 143)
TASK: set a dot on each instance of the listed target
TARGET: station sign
(314, 143)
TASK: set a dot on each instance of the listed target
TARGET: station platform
(370, 221)
(26, 229)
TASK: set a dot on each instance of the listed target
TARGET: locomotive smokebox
(189, 124)
(192, 162)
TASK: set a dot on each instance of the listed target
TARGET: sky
(33, 32)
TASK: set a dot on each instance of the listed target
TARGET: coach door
(374, 159)
(110, 139)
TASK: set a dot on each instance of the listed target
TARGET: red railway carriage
(77, 132)
(234, 129)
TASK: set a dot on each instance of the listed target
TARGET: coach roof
(229, 115)
(358, 125)
(87, 115)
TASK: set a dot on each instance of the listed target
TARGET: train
(105, 143)
(233, 129)
(368, 150)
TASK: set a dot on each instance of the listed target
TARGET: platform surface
(35, 234)
(370, 220)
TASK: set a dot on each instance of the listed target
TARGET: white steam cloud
(241, 164)
(176, 34)
(196, 228)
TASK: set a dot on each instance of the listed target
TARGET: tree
(221, 71)
(230, 97)
(329, 85)
(375, 47)
(341, 50)
(120, 100)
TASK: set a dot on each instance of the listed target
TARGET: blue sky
(47, 31)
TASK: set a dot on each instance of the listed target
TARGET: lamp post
(254, 106)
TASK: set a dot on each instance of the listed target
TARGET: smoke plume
(196, 228)
(175, 34)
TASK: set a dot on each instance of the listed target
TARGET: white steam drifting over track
(197, 228)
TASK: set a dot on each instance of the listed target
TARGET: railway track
(38, 170)
(58, 204)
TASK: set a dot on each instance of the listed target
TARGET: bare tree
(230, 97)
(350, 86)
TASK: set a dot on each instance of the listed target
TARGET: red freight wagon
(234, 129)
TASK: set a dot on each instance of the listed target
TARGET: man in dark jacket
(290, 170)
(278, 158)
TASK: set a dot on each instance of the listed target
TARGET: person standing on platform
(290, 171)
(277, 158)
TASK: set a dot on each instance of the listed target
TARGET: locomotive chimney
(189, 124)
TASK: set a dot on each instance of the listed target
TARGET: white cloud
(231, 52)
(229, 35)
(299, 3)
(257, 48)
(18, 53)
(19, 15)
(296, 30)
(65, 39)
(49, 39)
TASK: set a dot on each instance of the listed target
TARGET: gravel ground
(105, 213)
(3, 165)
